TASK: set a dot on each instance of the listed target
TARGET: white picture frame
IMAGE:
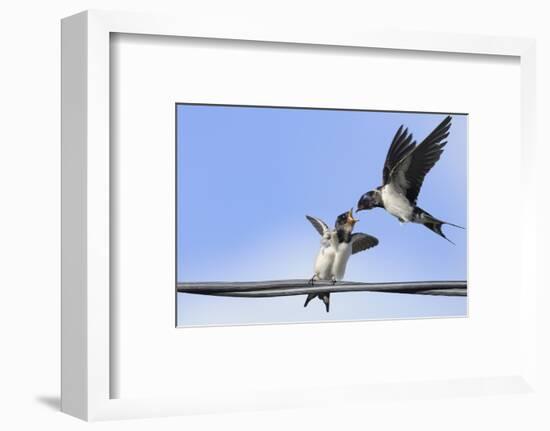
(87, 340)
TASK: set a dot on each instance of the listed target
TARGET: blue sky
(247, 176)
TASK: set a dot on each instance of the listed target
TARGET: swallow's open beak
(351, 219)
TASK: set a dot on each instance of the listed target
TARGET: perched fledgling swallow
(336, 248)
(405, 167)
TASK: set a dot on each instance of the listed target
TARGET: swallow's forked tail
(310, 296)
(432, 223)
(324, 296)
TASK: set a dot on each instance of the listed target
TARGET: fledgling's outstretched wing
(362, 241)
(319, 225)
(408, 173)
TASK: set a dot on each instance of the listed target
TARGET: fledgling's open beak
(351, 220)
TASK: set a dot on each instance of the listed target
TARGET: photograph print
(290, 215)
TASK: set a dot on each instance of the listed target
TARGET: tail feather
(432, 223)
(326, 299)
(310, 296)
(452, 224)
(436, 227)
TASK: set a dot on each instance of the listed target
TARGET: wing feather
(409, 172)
(362, 241)
(401, 145)
(319, 225)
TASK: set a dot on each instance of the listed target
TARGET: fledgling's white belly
(343, 252)
(324, 262)
(396, 203)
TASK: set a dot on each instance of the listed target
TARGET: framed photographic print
(270, 167)
(244, 199)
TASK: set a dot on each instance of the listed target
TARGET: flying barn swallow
(404, 170)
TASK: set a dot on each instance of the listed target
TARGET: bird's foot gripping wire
(311, 281)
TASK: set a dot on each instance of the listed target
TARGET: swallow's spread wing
(408, 173)
(362, 241)
(318, 224)
(401, 145)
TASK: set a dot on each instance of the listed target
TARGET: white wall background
(29, 212)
